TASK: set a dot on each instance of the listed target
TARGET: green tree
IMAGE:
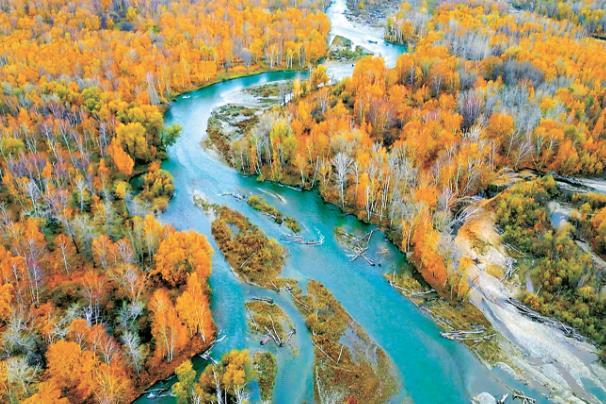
(184, 388)
(169, 135)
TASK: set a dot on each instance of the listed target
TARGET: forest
(481, 91)
(99, 299)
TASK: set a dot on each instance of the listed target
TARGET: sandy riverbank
(539, 352)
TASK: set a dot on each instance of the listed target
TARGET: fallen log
(357, 245)
(518, 395)
(289, 336)
(263, 299)
(423, 293)
(206, 356)
(295, 238)
(234, 195)
(273, 337)
(212, 345)
(340, 353)
(273, 327)
(370, 262)
(359, 253)
(539, 318)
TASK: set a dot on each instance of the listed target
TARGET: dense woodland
(98, 299)
(482, 89)
(590, 14)
(567, 282)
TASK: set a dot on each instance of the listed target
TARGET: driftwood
(533, 315)
(296, 238)
(274, 337)
(273, 327)
(340, 353)
(275, 195)
(295, 298)
(518, 395)
(289, 336)
(234, 195)
(247, 259)
(360, 252)
(324, 352)
(462, 334)
(357, 245)
(263, 299)
(425, 294)
(276, 288)
(206, 354)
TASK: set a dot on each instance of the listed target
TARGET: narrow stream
(431, 369)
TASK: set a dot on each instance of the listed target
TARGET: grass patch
(266, 318)
(260, 204)
(342, 49)
(271, 93)
(292, 224)
(266, 368)
(347, 364)
(255, 257)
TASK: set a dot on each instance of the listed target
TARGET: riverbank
(538, 351)
(406, 335)
(372, 13)
(451, 316)
(468, 323)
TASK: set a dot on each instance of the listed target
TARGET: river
(430, 368)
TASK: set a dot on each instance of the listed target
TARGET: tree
(132, 138)
(194, 309)
(225, 381)
(157, 187)
(170, 135)
(71, 368)
(170, 335)
(426, 253)
(341, 162)
(184, 388)
(113, 384)
(47, 392)
(319, 77)
(180, 254)
(94, 291)
(123, 162)
(7, 296)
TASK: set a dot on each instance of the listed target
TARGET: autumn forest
(151, 203)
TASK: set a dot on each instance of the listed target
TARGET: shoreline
(510, 352)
